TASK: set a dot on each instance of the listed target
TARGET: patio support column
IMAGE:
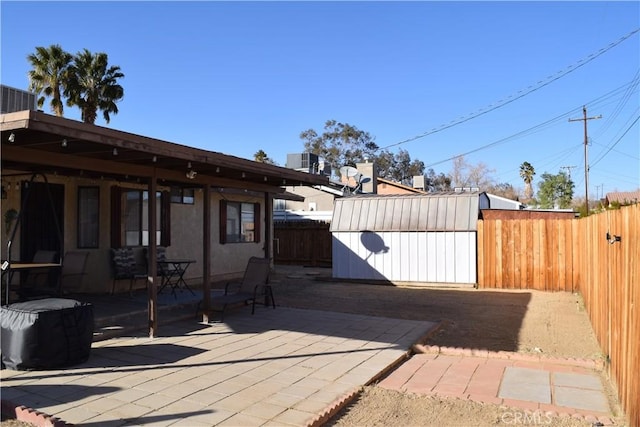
(152, 274)
(268, 225)
(206, 253)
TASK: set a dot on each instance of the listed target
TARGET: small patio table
(173, 274)
(10, 267)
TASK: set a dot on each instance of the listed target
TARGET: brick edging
(335, 407)
(21, 413)
(459, 351)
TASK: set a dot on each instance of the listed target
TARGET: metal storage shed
(420, 238)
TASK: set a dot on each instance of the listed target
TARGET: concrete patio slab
(531, 385)
(277, 367)
(571, 397)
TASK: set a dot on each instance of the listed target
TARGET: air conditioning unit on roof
(16, 100)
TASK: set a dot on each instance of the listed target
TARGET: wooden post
(206, 253)
(152, 274)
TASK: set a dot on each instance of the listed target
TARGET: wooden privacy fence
(575, 255)
(302, 243)
(528, 254)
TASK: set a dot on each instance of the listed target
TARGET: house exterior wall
(417, 257)
(228, 260)
(322, 200)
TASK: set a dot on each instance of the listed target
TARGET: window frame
(118, 237)
(224, 216)
(183, 196)
(81, 222)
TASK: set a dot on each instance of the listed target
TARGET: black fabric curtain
(38, 228)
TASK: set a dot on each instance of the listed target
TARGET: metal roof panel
(447, 211)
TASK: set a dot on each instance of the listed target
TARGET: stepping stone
(532, 385)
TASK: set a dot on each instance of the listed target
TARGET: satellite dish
(348, 171)
(365, 179)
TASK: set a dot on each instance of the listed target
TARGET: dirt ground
(534, 322)
(552, 324)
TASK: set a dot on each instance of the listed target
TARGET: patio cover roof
(100, 152)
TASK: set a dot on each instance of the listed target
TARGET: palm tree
(93, 86)
(49, 75)
(526, 173)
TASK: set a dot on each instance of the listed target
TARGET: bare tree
(464, 174)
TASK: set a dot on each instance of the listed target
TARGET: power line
(501, 103)
(618, 140)
(535, 128)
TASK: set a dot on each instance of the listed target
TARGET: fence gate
(302, 243)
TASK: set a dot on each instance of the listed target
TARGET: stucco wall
(228, 260)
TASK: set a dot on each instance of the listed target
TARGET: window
(130, 218)
(88, 217)
(279, 204)
(239, 222)
(184, 196)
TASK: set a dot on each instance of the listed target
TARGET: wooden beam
(69, 161)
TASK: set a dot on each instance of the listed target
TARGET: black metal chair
(125, 267)
(74, 265)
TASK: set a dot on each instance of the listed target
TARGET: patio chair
(254, 284)
(74, 266)
(125, 267)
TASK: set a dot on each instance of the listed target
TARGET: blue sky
(496, 80)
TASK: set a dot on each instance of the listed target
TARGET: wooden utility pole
(586, 161)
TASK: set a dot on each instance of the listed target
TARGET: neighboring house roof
(623, 197)
(396, 188)
(288, 195)
(444, 211)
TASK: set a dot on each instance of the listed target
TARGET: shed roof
(447, 211)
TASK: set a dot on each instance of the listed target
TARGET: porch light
(154, 159)
(12, 137)
(115, 151)
(191, 174)
(243, 175)
(64, 143)
(189, 165)
(218, 170)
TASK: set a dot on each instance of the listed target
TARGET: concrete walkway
(568, 387)
(278, 367)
